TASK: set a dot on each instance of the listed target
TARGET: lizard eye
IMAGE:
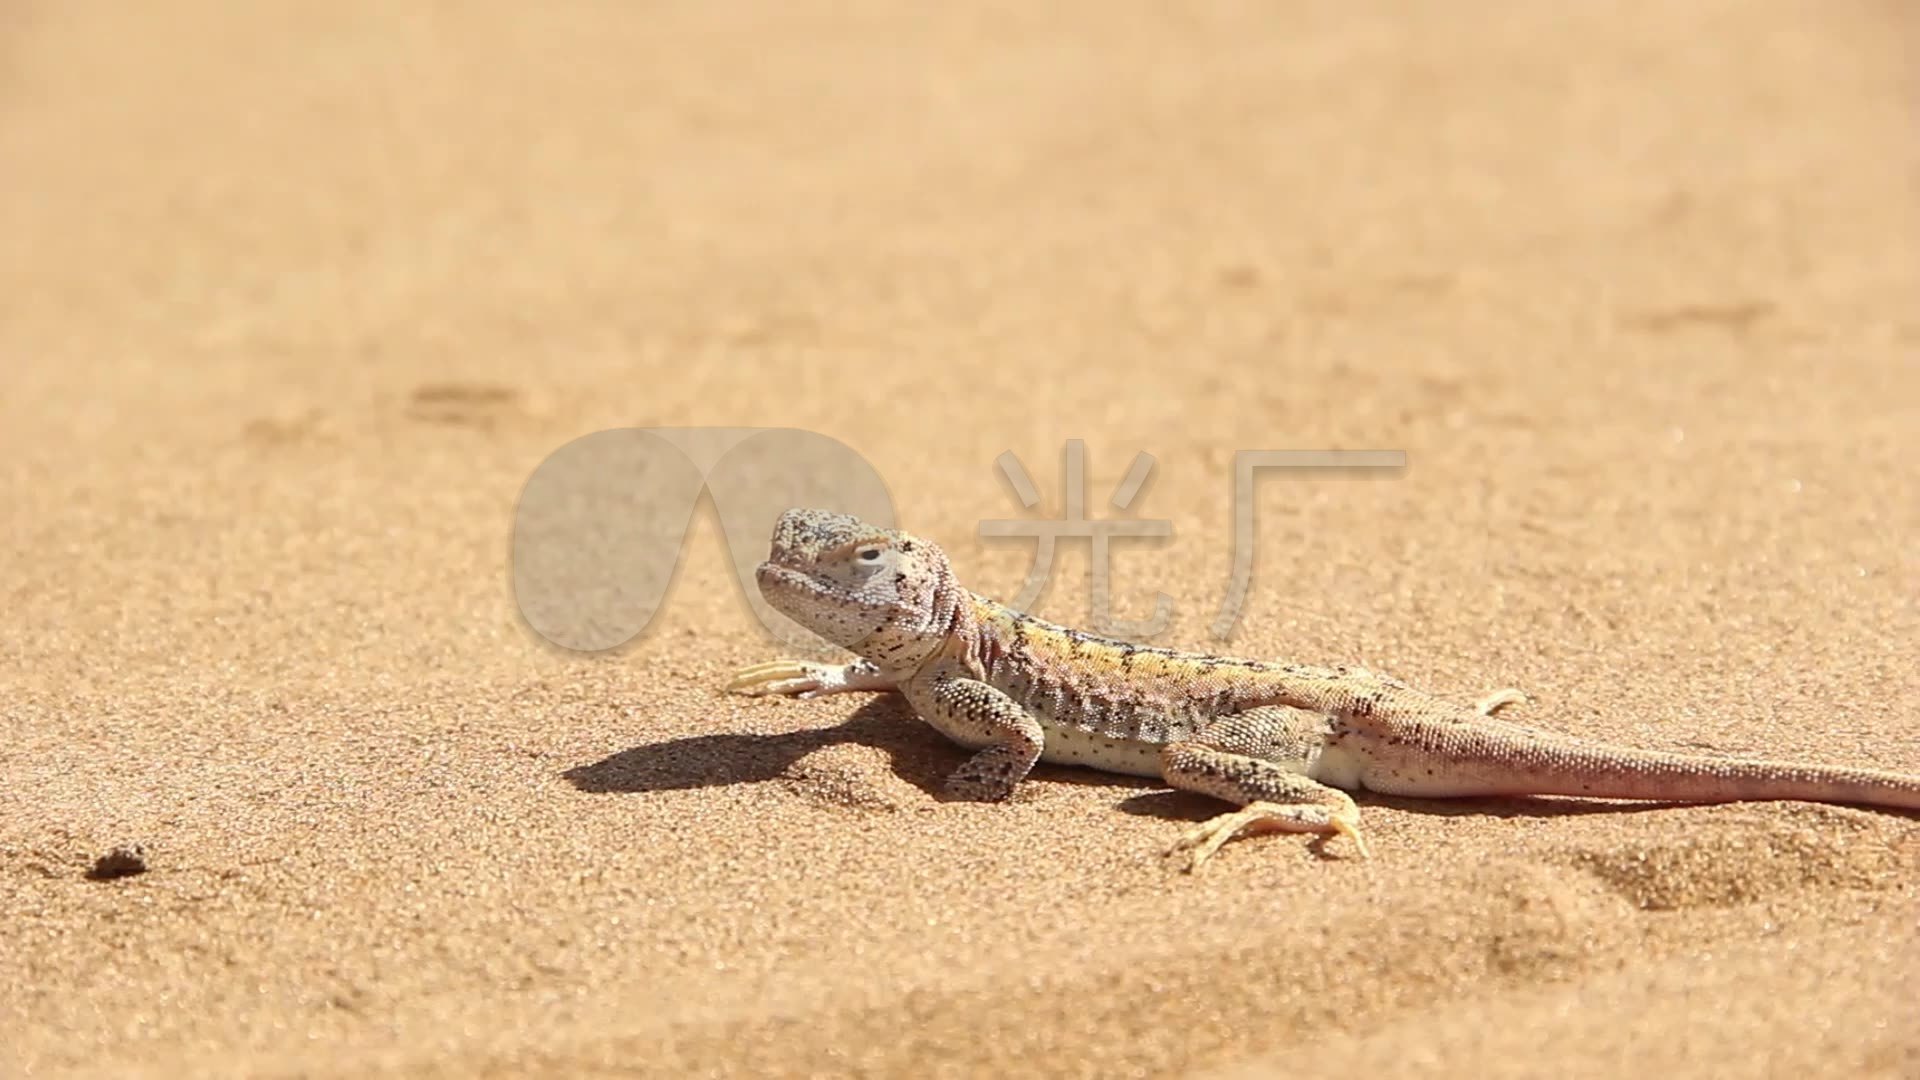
(869, 554)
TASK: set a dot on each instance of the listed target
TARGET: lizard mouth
(816, 605)
(778, 581)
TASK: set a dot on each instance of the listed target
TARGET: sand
(296, 297)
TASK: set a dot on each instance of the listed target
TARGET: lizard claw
(1499, 699)
(1351, 830)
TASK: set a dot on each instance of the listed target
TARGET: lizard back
(1120, 692)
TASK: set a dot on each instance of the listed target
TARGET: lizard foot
(797, 678)
(1201, 842)
(990, 775)
(805, 679)
(793, 678)
(1499, 699)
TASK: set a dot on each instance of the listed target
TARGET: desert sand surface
(295, 297)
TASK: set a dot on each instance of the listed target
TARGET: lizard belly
(1336, 766)
(1093, 750)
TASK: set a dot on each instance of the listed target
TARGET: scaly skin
(1284, 741)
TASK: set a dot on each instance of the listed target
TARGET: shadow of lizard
(885, 723)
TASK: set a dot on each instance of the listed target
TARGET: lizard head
(885, 594)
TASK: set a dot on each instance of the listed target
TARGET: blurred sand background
(294, 297)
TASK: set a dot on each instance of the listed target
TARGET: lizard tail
(1617, 773)
(1492, 758)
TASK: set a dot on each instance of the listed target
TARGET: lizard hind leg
(1257, 759)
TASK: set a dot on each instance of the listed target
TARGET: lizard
(1284, 742)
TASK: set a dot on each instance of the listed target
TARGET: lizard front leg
(974, 714)
(806, 679)
(1258, 759)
